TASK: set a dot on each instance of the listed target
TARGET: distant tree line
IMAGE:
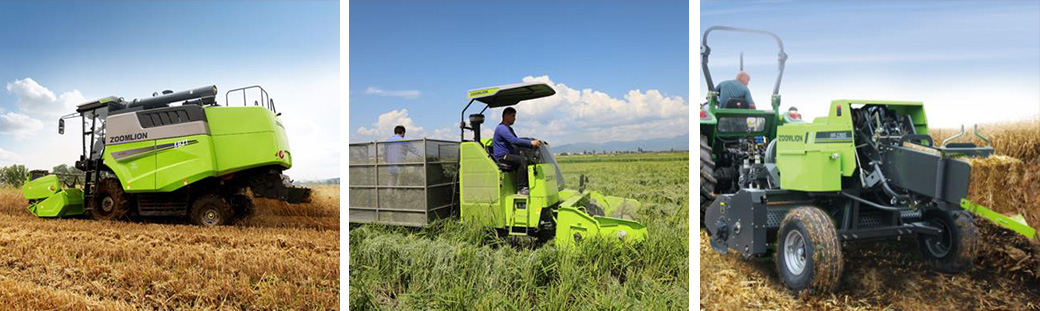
(14, 175)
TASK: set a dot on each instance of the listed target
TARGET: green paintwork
(48, 199)
(574, 224)
(489, 197)
(239, 138)
(810, 161)
(1016, 224)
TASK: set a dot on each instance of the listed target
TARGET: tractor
(415, 190)
(726, 129)
(145, 158)
(866, 171)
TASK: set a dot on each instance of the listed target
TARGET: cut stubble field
(455, 266)
(284, 258)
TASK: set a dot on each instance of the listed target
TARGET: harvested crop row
(87, 264)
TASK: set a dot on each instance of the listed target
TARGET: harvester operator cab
(504, 96)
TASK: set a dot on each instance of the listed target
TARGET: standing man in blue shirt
(396, 151)
(502, 144)
(736, 89)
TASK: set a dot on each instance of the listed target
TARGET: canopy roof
(508, 95)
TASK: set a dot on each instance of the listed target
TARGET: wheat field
(284, 258)
(890, 275)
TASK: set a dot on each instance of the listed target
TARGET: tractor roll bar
(705, 51)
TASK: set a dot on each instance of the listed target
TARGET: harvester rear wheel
(243, 207)
(110, 202)
(956, 247)
(808, 255)
(210, 210)
(708, 181)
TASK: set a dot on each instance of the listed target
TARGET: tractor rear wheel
(808, 255)
(210, 210)
(955, 248)
(708, 181)
(110, 202)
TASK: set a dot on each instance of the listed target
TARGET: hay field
(455, 266)
(891, 275)
(285, 258)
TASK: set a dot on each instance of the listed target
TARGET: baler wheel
(708, 181)
(954, 250)
(110, 202)
(210, 210)
(808, 255)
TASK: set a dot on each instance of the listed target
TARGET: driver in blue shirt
(502, 144)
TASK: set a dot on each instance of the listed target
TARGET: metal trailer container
(405, 182)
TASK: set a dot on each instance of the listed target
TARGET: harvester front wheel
(708, 180)
(110, 202)
(955, 248)
(808, 255)
(210, 210)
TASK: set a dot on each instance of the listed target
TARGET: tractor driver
(735, 94)
(503, 142)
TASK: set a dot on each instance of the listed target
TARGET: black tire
(819, 254)
(243, 207)
(708, 180)
(956, 248)
(211, 210)
(110, 202)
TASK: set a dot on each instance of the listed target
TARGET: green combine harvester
(772, 184)
(147, 158)
(461, 179)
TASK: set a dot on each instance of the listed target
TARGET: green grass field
(455, 266)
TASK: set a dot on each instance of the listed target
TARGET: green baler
(148, 158)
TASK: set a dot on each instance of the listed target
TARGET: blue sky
(59, 54)
(620, 68)
(958, 57)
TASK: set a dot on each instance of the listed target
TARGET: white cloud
(36, 100)
(588, 115)
(8, 158)
(18, 125)
(410, 94)
(383, 128)
(570, 116)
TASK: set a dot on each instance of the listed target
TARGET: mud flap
(738, 221)
(573, 224)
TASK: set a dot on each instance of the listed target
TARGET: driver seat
(505, 167)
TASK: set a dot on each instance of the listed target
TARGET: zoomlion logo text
(128, 137)
(482, 92)
(789, 138)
